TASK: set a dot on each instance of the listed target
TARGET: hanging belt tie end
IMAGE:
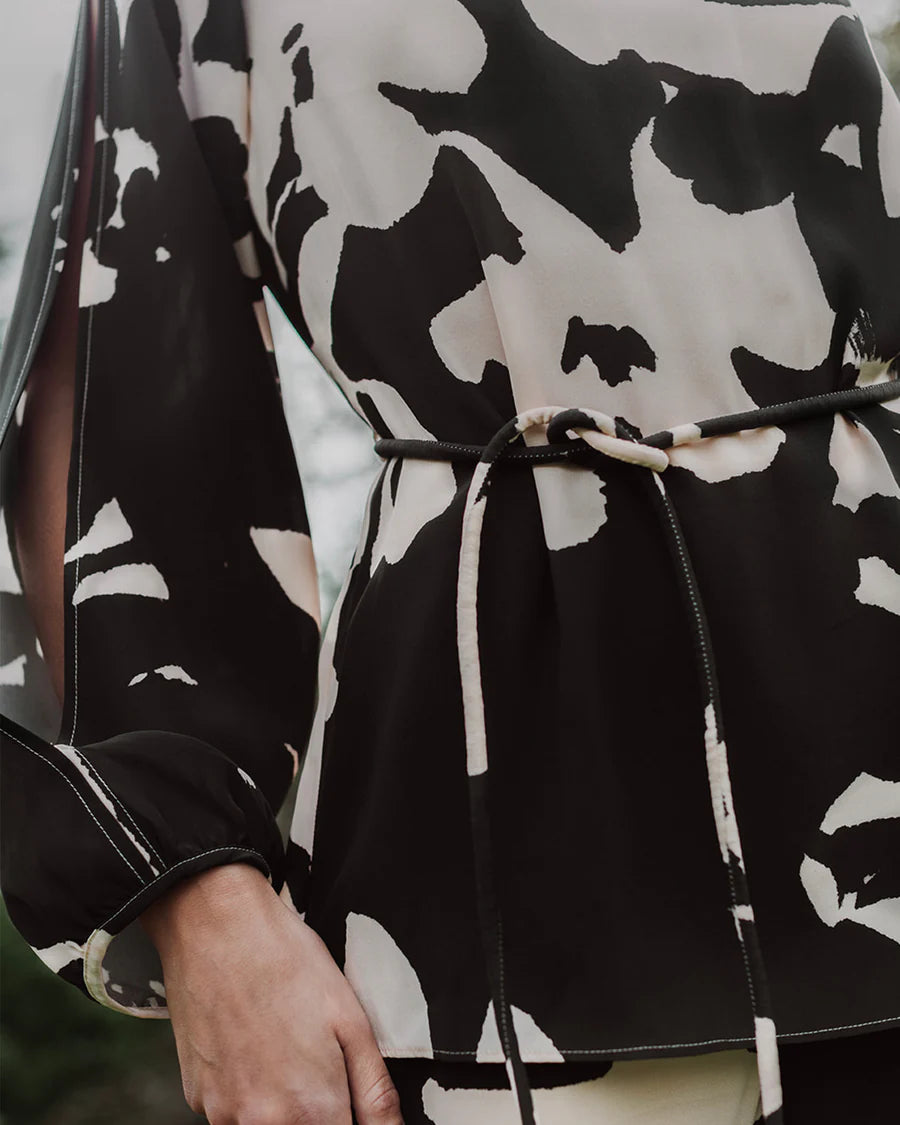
(566, 429)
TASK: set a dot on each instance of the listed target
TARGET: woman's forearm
(38, 504)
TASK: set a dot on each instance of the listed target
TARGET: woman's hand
(268, 1030)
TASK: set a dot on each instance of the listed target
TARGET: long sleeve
(191, 631)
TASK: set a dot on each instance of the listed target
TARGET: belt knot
(614, 437)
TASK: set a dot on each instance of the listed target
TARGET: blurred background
(63, 1059)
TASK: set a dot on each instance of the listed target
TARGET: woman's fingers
(318, 1111)
(268, 1030)
(372, 1091)
(312, 1092)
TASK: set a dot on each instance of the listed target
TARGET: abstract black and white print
(661, 210)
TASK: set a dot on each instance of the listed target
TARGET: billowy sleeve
(191, 606)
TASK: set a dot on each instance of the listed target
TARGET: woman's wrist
(201, 904)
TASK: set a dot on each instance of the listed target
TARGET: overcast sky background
(333, 447)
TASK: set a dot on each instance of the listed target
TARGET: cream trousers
(715, 1089)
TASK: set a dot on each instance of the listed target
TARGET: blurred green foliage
(68, 1061)
(890, 39)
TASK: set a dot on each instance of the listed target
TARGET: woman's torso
(664, 212)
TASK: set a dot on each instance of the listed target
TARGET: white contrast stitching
(707, 671)
(52, 265)
(776, 406)
(747, 1040)
(98, 777)
(726, 779)
(501, 967)
(74, 789)
(174, 867)
(840, 1027)
(741, 942)
(87, 365)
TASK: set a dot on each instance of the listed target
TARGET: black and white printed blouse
(538, 245)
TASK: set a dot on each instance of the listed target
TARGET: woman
(519, 837)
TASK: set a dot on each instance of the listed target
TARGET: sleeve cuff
(93, 834)
(122, 969)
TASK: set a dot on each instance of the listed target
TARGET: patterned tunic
(470, 209)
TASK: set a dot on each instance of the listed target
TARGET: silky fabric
(662, 211)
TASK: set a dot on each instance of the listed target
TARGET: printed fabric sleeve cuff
(92, 835)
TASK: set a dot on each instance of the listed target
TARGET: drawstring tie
(617, 439)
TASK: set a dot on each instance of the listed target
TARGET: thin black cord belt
(571, 434)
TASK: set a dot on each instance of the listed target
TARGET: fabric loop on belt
(572, 433)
